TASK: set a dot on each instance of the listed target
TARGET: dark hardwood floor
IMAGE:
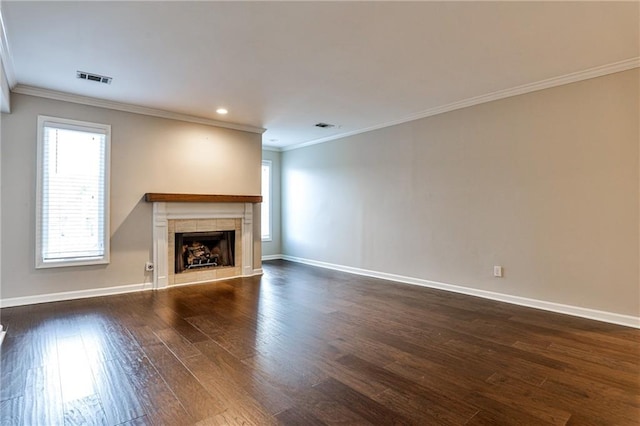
(307, 346)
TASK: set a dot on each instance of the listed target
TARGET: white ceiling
(285, 66)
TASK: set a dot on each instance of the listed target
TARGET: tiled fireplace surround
(172, 217)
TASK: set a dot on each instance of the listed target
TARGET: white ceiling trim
(600, 71)
(136, 109)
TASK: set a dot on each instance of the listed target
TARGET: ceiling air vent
(93, 77)
(325, 125)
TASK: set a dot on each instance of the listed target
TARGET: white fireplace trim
(163, 212)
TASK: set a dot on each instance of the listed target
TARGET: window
(266, 200)
(73, 194)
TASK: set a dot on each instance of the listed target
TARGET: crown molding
(271, 148)
(136, 109)
(493, 96)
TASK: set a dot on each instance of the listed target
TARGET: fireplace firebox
(204, 250)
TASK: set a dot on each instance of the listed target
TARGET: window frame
(82, 126)
(269, 237)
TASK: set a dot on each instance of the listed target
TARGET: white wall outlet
(497, 271)
(148, 266)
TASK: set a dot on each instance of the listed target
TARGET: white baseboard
(610, 317)
(70, 295)
(272, 257)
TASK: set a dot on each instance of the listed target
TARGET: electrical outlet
(497, 271)
(148, 266)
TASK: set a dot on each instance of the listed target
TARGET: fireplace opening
(204, 250)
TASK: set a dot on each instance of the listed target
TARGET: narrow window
(73, 195)
(266, 200)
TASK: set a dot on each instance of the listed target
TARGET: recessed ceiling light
(222, 111)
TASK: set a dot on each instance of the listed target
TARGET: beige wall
(545, 184)
(148, 154)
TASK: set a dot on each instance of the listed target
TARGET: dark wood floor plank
(235, 417)
(492, 359)
(401, 390)
(140, 421)
(192, 396)
(161, 405)
(11, 411)
(43, 397)
(13, 368)
(298, 417)
(360, 404)
(117, 394)
(599, 406)
(177, 321)
(601, 373)
(530, 399)
(80, 400)
(226, 392)
(85, 410)
(303, 345)
(178, 344)
(327, 409)
(238, 375)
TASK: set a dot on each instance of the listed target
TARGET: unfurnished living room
(308, 213)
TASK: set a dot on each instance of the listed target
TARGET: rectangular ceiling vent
(325, 125)
(93, 77)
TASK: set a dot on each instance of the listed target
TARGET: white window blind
(73, 193)
(266, 201)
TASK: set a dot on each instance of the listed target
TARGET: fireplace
(220, 235)
(203, 250)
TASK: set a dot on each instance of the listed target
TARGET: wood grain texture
(154, 197)
(307, 346)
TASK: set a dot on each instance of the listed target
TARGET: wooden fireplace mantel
(158, 197)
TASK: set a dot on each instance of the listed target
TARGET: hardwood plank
(409, 393)
(117, 394)
(296, 416)
(183, 327)
(188, 390)
(43, 397)
(234, 417)
(598, 372)
(140, 421)
(80, 402)
(179, 345)
(530, 399)
(237, 374)
(326, 409)
(597, 404)
(13, 368)
(85, 410)
(161, 405)
(227, 393)
(11, 411)
(360, 404)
